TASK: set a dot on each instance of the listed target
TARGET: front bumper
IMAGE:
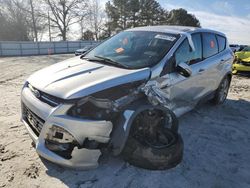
(80, 129)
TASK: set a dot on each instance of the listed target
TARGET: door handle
(222, 61)
(201, 70)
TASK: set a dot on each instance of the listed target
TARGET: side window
(185, 54)
(221, 42)
(197, 54)
(210, 46)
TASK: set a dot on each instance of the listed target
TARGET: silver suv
(116, 95)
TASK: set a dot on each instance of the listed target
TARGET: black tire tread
(154, 159)
(216, 100)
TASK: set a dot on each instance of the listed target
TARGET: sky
(231, 17)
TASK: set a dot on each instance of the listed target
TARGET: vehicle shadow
(212, 136)
(243, 74)
(109, 168)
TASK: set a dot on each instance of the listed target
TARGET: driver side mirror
(184, 69)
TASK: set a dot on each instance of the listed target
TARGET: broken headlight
(60, 141)
(106, 104)
(94, 109)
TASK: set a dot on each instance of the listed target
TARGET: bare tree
(33, 19)
(97, 18)
(65, 13)
(94, 20)
(15, 25)
(34, 16)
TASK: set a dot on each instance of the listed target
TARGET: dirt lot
(217, 143)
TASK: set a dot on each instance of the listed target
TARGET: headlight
(60, 141)
(59, 135)
(88, 110)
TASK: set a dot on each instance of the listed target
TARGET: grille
(34, 121)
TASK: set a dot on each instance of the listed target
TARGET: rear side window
(221, 42)
(210, 45)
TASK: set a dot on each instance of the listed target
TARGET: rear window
(221, 42)
(210, 45)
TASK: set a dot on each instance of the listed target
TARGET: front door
(185, 92)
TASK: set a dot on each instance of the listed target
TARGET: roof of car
(173, 29)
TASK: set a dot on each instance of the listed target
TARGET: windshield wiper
(111, 61)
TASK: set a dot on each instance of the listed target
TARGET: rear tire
(144, 152)
(222, 92)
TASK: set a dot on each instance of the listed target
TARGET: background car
(242, 47)
(242, 61)
(83, 50)
(235, 47)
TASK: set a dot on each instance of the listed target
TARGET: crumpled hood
(75, 78)
(244, 56)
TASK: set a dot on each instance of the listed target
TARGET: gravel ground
(216, 139)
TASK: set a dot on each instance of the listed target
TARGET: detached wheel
(222, 91)
(154, 142)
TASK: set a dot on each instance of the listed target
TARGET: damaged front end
(62, 138)
(73, 133)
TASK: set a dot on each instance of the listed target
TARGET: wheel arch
(123, 125)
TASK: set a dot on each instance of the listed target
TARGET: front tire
(153, 145)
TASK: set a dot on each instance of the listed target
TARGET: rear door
(212, 60)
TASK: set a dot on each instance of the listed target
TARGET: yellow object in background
(242, 61)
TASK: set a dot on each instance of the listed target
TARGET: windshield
(133, 49)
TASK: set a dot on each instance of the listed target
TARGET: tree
(65, 13)
(88, 35)
(14, 26)
(125, 14)
(182, 17)
(33, 19)
(35, 16)
(117, 12)
(151, 13)
(94, 19)
(22, 15)
(4, 34)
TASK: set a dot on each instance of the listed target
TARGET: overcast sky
(231, 17)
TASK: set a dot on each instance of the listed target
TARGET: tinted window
(210, 46)
(221, 42)
(185, 53)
